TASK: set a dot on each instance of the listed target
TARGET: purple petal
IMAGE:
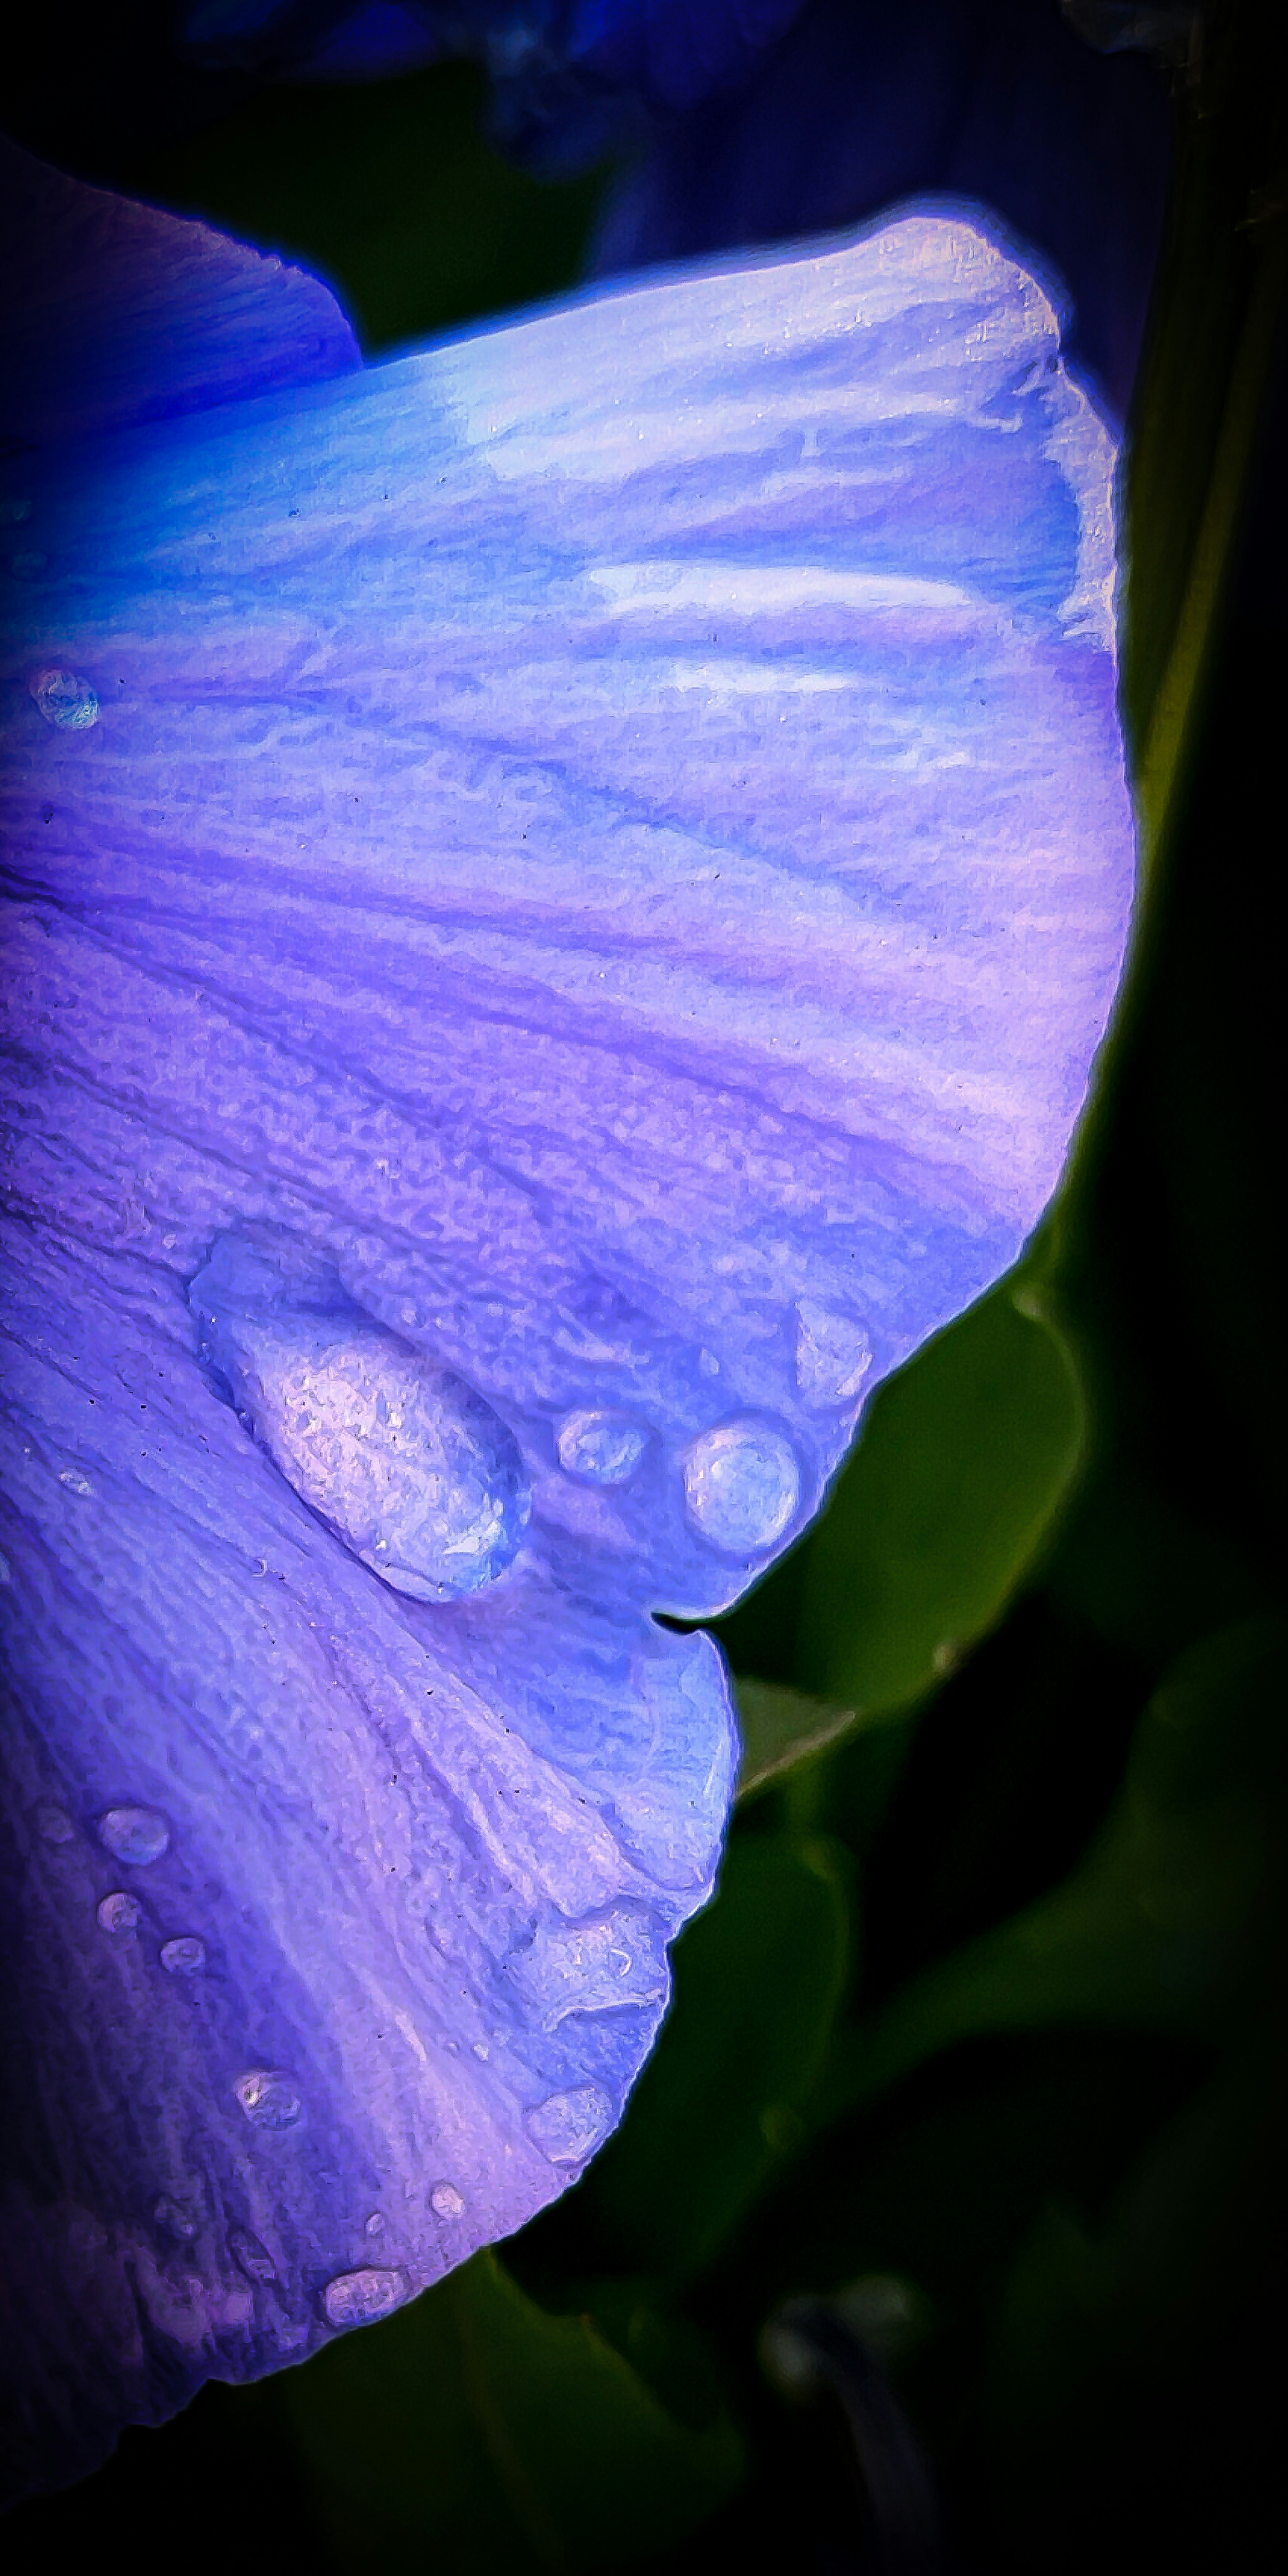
(571, 937)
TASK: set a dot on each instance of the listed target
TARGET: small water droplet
(833, 1353)
(54, 1825)
(75, 1481)
(120, 1913)
(253, 2258)
(183, 1957)
(176, 2221)
(134, 1834)
(259, 1565)
(600, 1448)
(407, 1464)
(268, 2098)
(357, 2298)
(741, 1486)
(64, 699)
(709, 1364)
(481, 2048)
(445, 2201)
(568, 2126)
(375, 2224)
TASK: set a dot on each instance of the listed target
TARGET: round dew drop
(445, 2201)
(134, 1834)
(183, 1958)
(64, 699)
(120, 1913)
(741, 1486)
(268, 2098)
(600, 1448)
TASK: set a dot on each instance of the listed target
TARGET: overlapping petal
(564, 894)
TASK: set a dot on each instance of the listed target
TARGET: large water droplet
(407, 1464)
(64, 699)
(833, 1353)
(445, 2201)
(134, 1834)
(268, 2098)
(600, 1448)
(741, 1486)
(569, 2126)
(254, 2259)
(608, 1961)
(356, 2298)
(120, 1913)
(183, 1958)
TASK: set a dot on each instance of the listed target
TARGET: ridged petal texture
(564, 893)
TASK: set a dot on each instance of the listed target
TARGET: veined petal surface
(564, 891)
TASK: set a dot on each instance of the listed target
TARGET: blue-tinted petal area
(575, 938)
(114, 313)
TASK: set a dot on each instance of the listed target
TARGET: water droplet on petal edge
(741, 1486)
(569, 2126)
(833, 1353)
(357, 2298)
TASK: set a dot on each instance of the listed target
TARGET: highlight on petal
(576, 939)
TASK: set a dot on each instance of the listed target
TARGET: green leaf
(781, 1728)
(724, 2097)
(1157, 1927)
(476, 2432)
(965, 1460)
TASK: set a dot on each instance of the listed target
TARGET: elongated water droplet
(120, 1913)
(833, 1353)
(268, 2098)
(600, 1448)
(741, 1486)
(183, 1957)
(75, 1481)
(253, 2258)
(599, 1965)
(407, 1464)
(64, 699)
(134, 1834)
(356, 2298)
(569, 2126)
(445, 2201)
(375, 2224)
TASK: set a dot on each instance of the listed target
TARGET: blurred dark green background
(983, 2037)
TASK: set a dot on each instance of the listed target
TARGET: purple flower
(564, 894)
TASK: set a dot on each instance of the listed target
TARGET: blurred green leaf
(476, 2432)
(758, 1979)
(781, 1728)
(1157, 1927)
(965, 1460)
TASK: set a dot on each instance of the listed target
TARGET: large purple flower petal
(565, 890)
